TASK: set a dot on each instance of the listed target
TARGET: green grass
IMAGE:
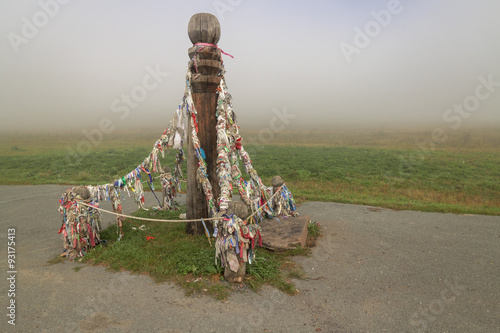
(56, 167)
(171, 255)
(462, 175)
(439, 181)
(55, 260)
(313, 230)
(185, 259)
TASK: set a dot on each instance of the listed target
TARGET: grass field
(378, 167)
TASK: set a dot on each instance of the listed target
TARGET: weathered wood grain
(205, 80)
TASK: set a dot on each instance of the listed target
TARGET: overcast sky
(65, 63)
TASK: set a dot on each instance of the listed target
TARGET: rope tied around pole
(212, 45)
(203, 45)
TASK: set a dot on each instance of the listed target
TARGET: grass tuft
(56, 260)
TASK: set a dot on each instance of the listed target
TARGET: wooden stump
(235, 277)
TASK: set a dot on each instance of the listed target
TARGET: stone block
(238, 208)
(286, 234)
(277, 181)
(82, 191)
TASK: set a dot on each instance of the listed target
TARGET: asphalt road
(374, 270)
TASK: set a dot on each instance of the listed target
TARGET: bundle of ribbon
(168, 189)
(236, 237)
(236, 242)
(81, 224)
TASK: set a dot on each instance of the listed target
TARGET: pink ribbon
(212, 45)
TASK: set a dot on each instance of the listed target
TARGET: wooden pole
(206, 67)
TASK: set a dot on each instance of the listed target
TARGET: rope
(148, 219)
(132, 223)
(193, 220)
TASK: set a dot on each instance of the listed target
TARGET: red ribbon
(194, 121)
(91, 234)
(238, 143)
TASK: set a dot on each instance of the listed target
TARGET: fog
(318, 64)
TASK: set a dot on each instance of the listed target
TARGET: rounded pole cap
(204, 28)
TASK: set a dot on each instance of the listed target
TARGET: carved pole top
(204, 28)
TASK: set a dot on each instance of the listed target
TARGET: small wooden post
(203, 28)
